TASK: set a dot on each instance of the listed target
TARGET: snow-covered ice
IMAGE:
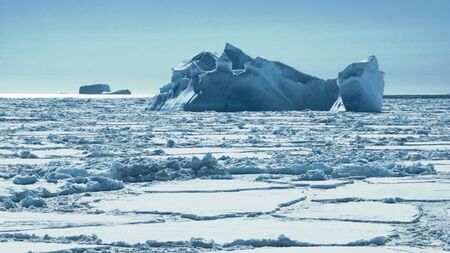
(105, 174)
(206, 204)
(353, 211)
(328, 249)
(23, 246)
(230, 231)
(208, 185)
(402, 191)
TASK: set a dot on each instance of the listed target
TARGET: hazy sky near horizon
(52, 46)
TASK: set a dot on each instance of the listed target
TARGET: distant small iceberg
(118, 92)
(103, 89)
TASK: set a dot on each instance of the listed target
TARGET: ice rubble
(141, 170)
(25, 154)
(73, 180)
(24, 180)
(320, 171)
(361, 86)
(237, 82)
(32, 201)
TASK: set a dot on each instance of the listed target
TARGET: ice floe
(237, 231)
(205, 205)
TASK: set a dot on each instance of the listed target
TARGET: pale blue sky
(52, 46)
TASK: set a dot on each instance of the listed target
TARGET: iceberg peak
(371, 58)
(237, 56)
(361, 86)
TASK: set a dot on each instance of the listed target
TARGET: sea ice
(237, 231)
(204, 204)
(259, 187)
(25, 220)
(208, 185)
(23, 180)
(413, 191)
(328, 249)
(24, 246)
(26, 154)
(353, 211)
(32, 201)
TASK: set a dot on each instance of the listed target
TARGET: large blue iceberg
(235, 81)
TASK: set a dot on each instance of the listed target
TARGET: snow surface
(230, 230)
(111, 176)
(337, 249)
(208, 185)
(20, 221)
(413, 191)
(209, 204)
(353, 211)
(20, 247)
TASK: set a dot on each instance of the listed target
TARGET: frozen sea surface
(102, 174)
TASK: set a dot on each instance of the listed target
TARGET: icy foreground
(361, 86)
(237, 82)
(103, 175)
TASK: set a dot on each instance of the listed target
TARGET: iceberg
(94, 89)
(361, 86)
(105, 89)
(235, 81)
(118, 92)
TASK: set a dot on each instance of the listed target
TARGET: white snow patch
(353, 211)
(199, 185)
(22, 221)
(434, 191)
(203, 204)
